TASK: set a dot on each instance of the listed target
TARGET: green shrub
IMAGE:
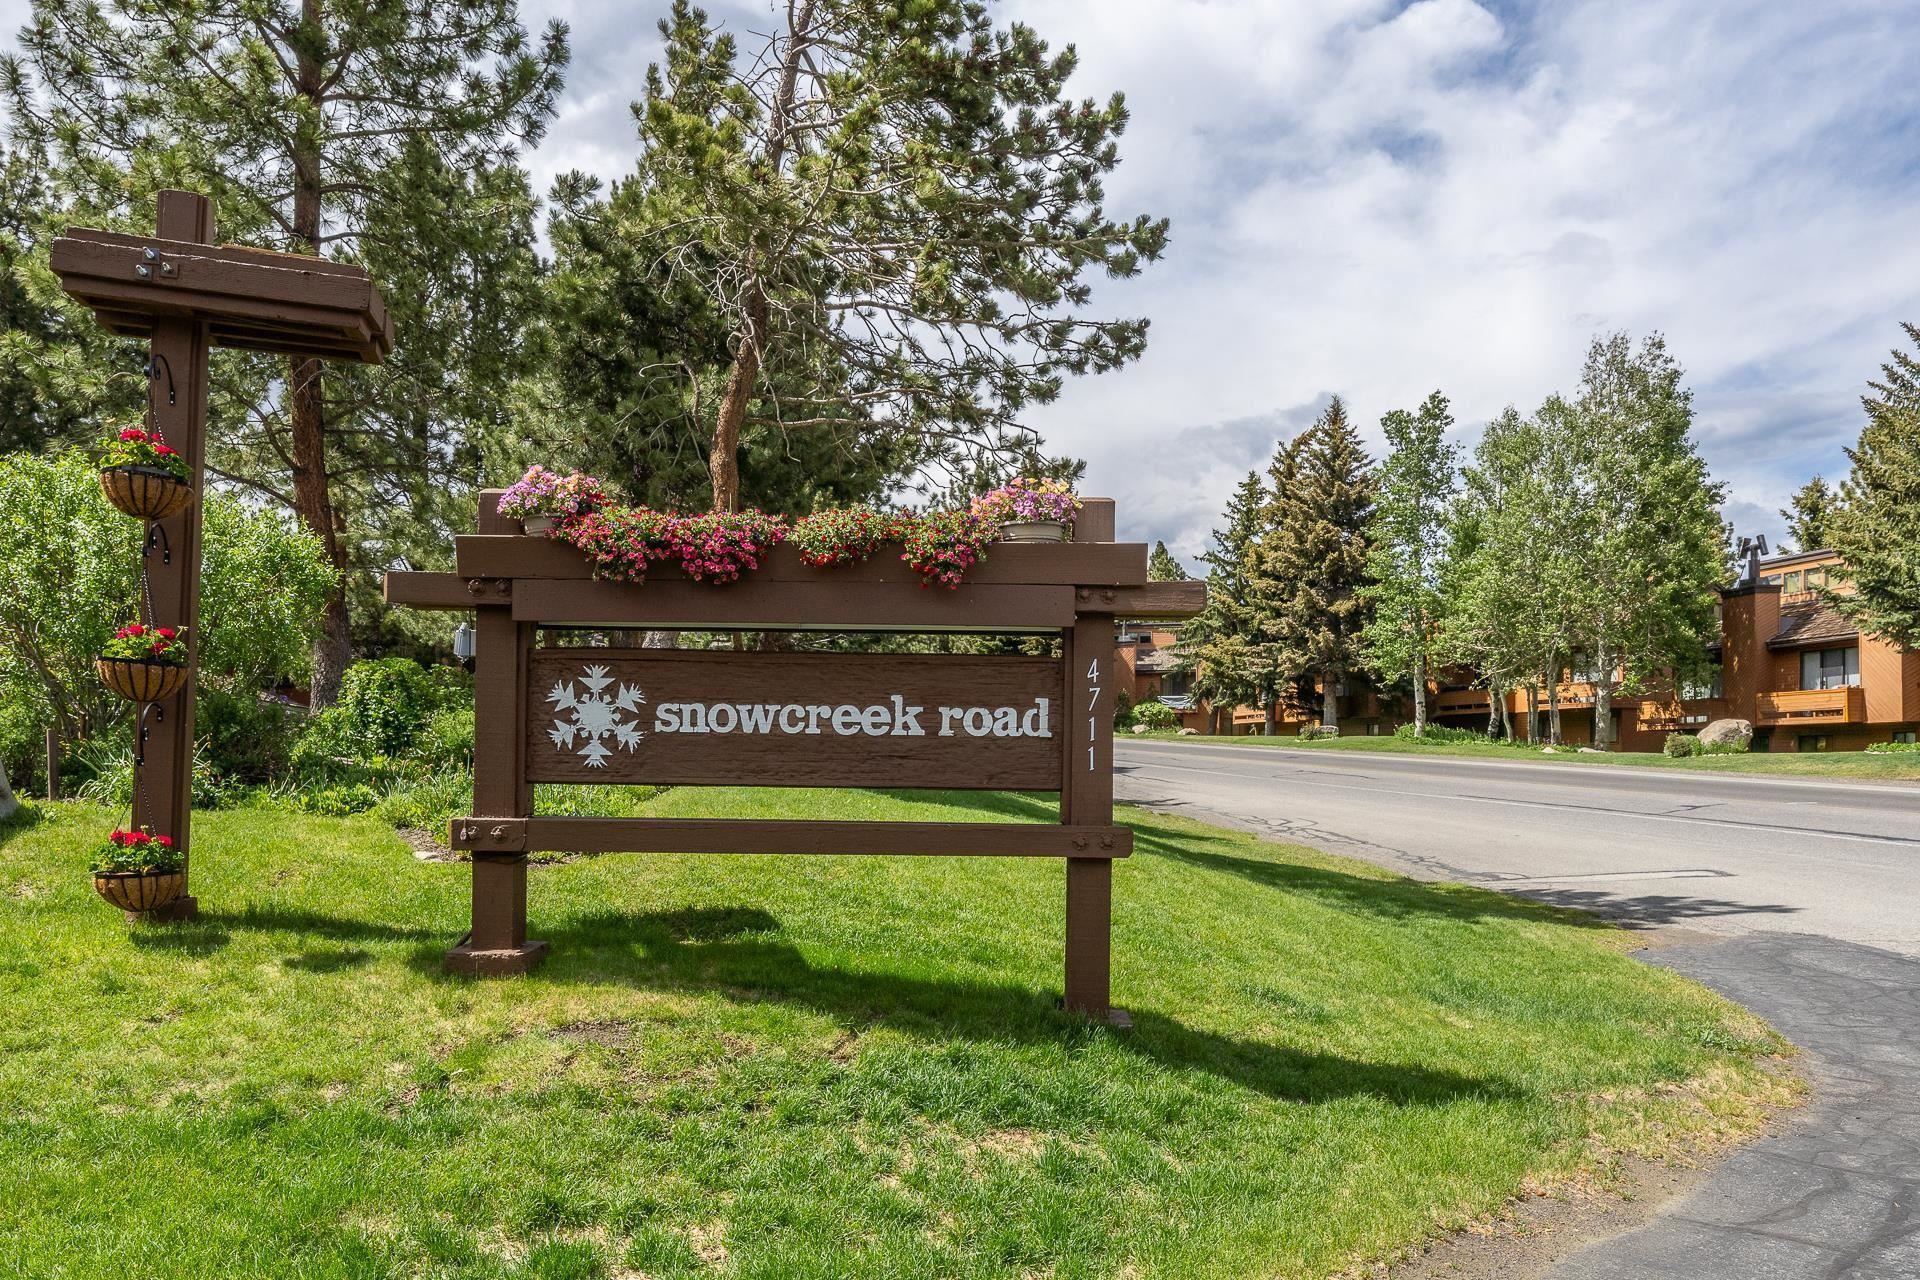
(1893, 748)
(1680, 746)
(1156, 715)
(1735, 746)
(430, 804)
(336, 802)
(1317, 732)
(447, 741)
(107, 764)
(245, 739)
(387, 701)
(1439, 733)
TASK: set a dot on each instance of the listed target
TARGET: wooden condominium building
(1787, 661)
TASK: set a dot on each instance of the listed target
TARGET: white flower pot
(537, 524)
(1035, 531)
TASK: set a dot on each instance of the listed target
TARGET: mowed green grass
(1888, 767)
(811, 1067)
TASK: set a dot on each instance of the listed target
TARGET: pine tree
(1810, 515)
(893, 209)
(1162, 567)
(1311, 562)
(1875, 531)
(1651, 546)
(1415, 485)
(385, 134)
(1221, 647)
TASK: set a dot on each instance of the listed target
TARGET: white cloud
(1377, 198)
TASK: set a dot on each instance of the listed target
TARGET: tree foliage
(1310, 566)
(386, 134)
(1404, 597)
(1875, 530)
(1810, 515)
(1222, 647)
(1162, 567)
(73, 577)
(885, 215)
(1644, 525)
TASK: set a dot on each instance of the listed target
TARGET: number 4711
(1093, 707)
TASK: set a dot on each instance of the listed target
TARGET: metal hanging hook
(152, 711)
(157, 537)
(155, 364)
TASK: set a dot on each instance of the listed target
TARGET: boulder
(1139, 728)
(1189, 733)
(1724, 733)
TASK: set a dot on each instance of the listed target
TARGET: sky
(1377, 199)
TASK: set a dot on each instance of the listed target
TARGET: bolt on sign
(567, 714)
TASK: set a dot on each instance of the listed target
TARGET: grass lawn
(1891, 767)
(811, 1067)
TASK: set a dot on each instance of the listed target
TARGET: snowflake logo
(587, 719)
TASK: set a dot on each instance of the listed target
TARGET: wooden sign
(795, 719)
(735, 716)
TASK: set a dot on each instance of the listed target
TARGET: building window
(1176, 684)
(1791, 582)
(1903, 735)
(1712, 686)
(1816, 578)
(1830, 668)
(1813, 742)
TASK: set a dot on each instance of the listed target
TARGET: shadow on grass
(1394, 897)
(212, 930)
(736, 951)
(26, 817)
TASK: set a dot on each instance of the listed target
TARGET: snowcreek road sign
(794, 719)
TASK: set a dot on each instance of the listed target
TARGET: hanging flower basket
(1030, 510)
(144, 664)
(144, 476)
(138, 871)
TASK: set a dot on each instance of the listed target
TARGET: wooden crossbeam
(768, 836)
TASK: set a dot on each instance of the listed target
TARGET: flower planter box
(138, 681)
(147, 493)
(139, 890)
(1035, 531)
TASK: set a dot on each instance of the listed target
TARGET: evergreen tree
(1811, 515)
(1221, 647)
(1415, 486)
(1651, 546)
(382, 134)
(891, 209)
(1311, 562)
(1162, 567)
(1875, 531)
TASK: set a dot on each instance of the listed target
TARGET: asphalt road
(1719, 853)
(1809, 884)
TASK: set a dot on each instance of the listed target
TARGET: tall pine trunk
(306, 403)
(1329, 700)
(750, 335)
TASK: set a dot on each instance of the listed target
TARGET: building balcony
(1458, 702)
(1812, 706)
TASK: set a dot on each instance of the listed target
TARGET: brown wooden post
(498, 941)
(53, 763)
(163, 790)
(1086, 793)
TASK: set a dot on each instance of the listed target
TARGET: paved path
(1796, 876)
